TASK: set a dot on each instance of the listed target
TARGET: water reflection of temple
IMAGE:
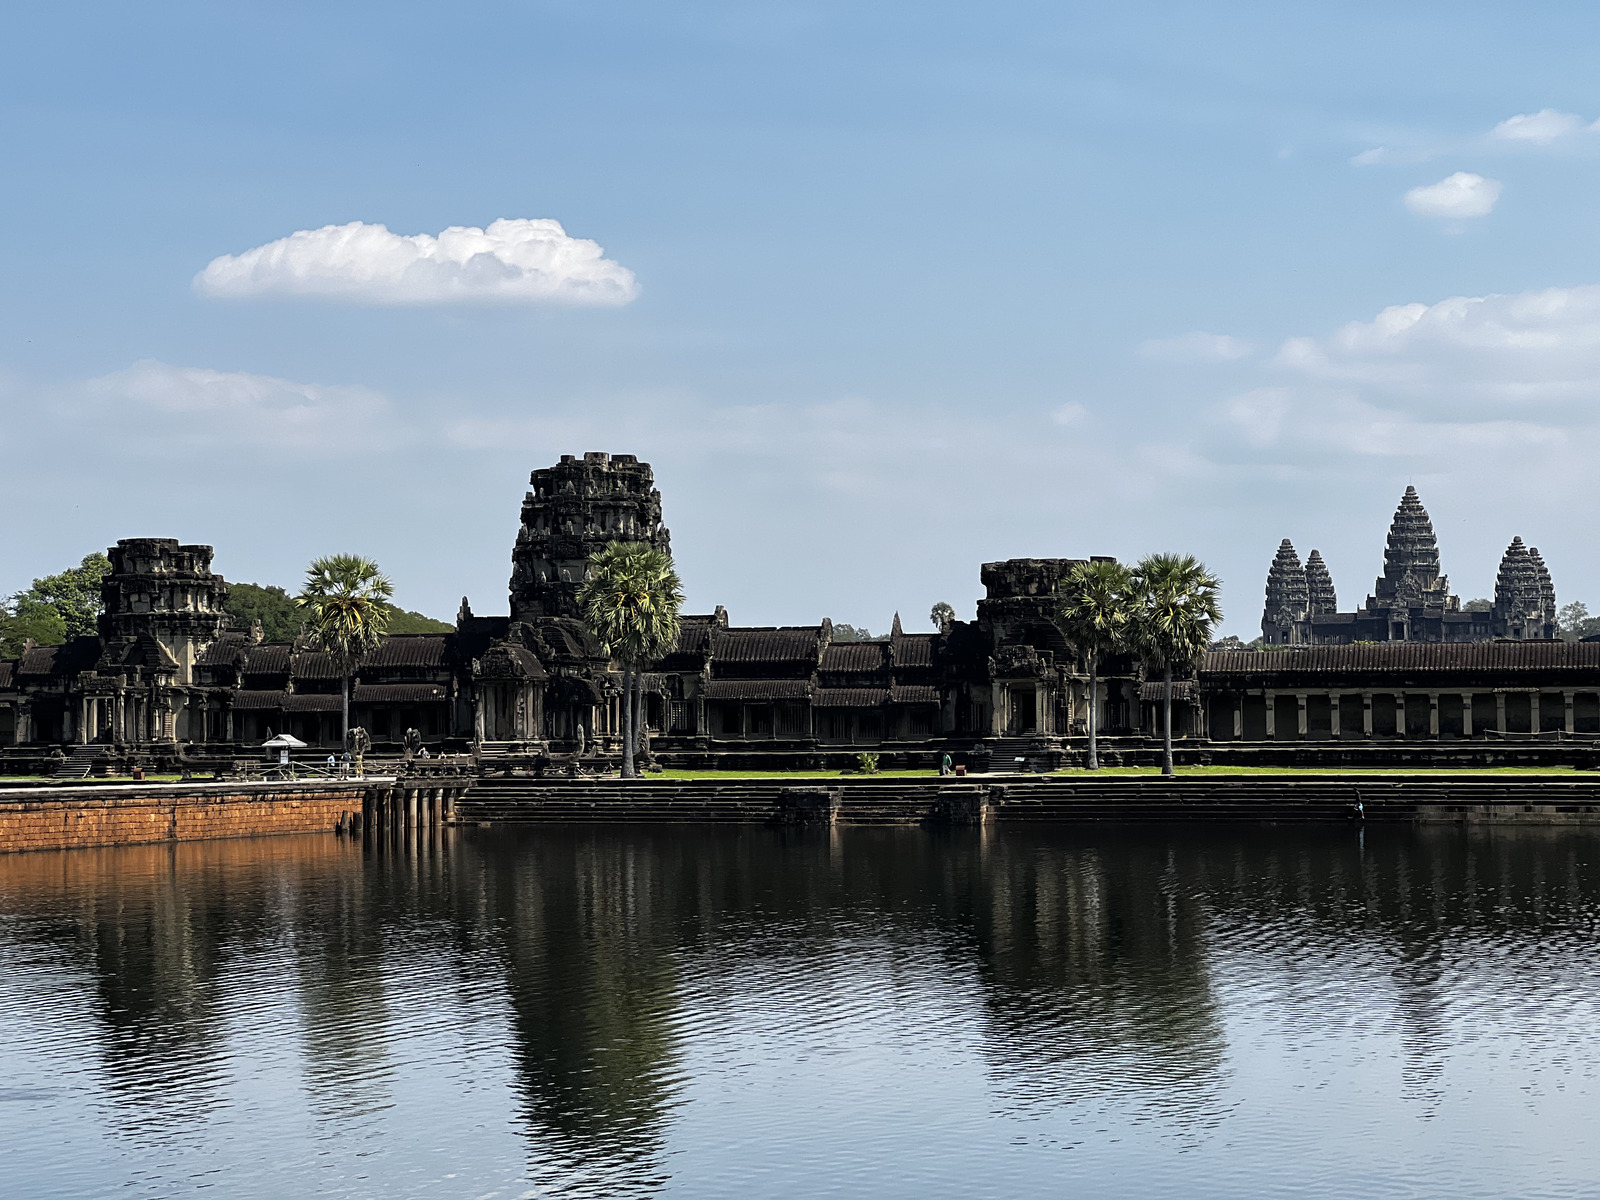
(587, 968)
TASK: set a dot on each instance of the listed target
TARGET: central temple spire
(1411, 574)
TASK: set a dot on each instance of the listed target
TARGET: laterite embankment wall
(134, 814)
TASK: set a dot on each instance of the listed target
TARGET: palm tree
(346, 603)
(630, 599)
(1094, 614)
(1175, 613)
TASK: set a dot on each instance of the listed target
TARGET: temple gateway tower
(577, 507)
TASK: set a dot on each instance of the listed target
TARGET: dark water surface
(724, 1012)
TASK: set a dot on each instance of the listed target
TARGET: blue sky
(882, 290)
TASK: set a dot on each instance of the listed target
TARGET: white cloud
(1198, 347)
(198, 406)
(1070, 414)
(512, 261)
(1483, 351)
(1540, 128)
(1460, 196)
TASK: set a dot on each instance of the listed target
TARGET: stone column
(1335, 726)
(1500, 711)
(1272, 713)
(1366, 714)
(1238, 718)
(1466, 714)
(1433, 714)
(1533, 711)
(1302, 721)
(1567, 699)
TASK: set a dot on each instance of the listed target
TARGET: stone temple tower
(1322, 599)
(577, 507)
(1524, 596)
(1288, 598)
(1411, 577)
(162, 591)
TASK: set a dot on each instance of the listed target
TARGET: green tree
(942, 615)
(1096, 608)
(631, 599)
(345, 601)
(281, 618)
(1175, 612)
(404, 621)
(56, 608)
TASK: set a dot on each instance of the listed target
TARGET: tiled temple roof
(269, 658)
(7, 673)
(851, 697)
(766, 645)
(855, 656)
(225, 651)
(914, 693)
(313, 664)
(1155, 689)
(398, 693)
(694, 636)
(758, 689)
(410, 650)
(1408, 656)
(286, 702)
(914, 650)
(77, 655)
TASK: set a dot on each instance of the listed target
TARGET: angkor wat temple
(170, 681)
(1411, 600)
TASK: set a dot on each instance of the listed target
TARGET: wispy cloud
(1460, 196)
(200, 407)
(1198, 347)
(1539, 128)
(510, 262)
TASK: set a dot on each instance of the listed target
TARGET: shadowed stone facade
(169, 681)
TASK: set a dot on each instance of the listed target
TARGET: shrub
(867, 763)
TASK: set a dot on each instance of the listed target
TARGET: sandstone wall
(131, 814)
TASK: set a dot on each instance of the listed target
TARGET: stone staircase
(743, 801)
(1297, 798)
(78, 764)
(1013, 798)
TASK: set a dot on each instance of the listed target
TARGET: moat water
(1102, 1012)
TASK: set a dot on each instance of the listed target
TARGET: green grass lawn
(676, 773)
(1079, 773)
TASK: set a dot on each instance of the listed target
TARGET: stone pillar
(1302, 723)
(411, 808)
(1400, 714)
(1335, 726)
(1366, 714)
(1238, 718)
(1500, 711)
(1533, 711)
(1433, 714)
(1569, 724)
(1271, 698)
(1466, 714)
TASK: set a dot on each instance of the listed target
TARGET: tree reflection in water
(1100, 971)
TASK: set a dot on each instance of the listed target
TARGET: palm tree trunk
(627, 720)
(1166, 722)
(638, 710)
(1094, 703)
(344, 696)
